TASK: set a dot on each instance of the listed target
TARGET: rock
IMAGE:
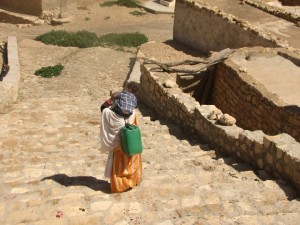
(38, 22)
(227, 120)
(242, 69)
(60, 21)
(47, 15)
(170, 84)
(215, 114)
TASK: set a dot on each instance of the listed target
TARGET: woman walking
(124, 171)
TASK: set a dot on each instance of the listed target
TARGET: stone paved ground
(51, 159)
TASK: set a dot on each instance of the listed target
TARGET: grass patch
(108, 3)
(49, 71)
(137, 13)
(85, 39)
(80, 39)
(123, 40)
(126, 3)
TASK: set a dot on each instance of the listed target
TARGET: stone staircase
(52, 168)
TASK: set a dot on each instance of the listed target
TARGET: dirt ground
(85, 67)
(101, 20)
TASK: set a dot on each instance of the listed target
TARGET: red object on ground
(59, 214)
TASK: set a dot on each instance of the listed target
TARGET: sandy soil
(102, 20)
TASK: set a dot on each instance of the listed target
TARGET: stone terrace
(51, 160)
(52, 167)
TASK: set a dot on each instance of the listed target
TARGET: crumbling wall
(207, 29)
(278, 154)
(236, 93)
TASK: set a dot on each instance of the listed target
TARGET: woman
(124, 171)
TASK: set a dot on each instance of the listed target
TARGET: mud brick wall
(290, 2)
(36, 7)
(207, 29)
(31, 7)
(279, 155)
(253, 107)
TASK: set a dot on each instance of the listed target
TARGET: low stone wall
(208, 29)
(276, 11)
(10, 83)
(279, 155)
(238, 94)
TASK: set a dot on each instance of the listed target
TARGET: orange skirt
(126, 171)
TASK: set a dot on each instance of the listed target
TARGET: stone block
(269, 159)
(260, 163)
(258, 148)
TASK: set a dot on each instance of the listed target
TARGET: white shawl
(111, 124)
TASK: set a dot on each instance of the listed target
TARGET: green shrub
(85, 39)
(49, 71)
(80, 39)
(126, 3)
(125, 39)
(108, 3)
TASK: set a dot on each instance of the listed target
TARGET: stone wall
(237, 94)
(290, 2)
(276, 11)
(207, 29)
(279, 155)
(31, 7)
(36, 7)
(10, 83)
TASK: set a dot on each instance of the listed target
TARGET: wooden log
(215, 58)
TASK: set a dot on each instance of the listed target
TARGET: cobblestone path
(52, 168)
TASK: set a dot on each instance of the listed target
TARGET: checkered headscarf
(126, 101)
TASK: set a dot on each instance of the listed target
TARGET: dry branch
(215, 58)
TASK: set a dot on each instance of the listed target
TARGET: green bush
(108, 3)
(125, 39)
(49, 71)
(85, 39)
(80, 39)
(126, 3)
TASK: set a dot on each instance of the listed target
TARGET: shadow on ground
(88, 181)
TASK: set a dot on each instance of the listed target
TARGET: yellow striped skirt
(126, 171)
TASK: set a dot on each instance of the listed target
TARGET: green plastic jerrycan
(131, 140)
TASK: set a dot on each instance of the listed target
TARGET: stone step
(167, 3)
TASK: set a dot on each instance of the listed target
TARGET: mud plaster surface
(278, 74)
